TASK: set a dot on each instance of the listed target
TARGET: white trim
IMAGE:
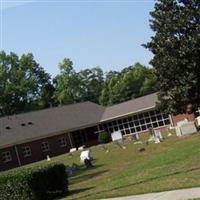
(171, 121)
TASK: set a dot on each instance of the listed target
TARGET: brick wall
(11, 164)
(36, 151)
(180, 117)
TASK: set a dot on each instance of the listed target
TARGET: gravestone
(198, 121)
(135, 137)
(155, 135)
(159, 134)
(72, 150)
(118, 139)
(116, 135)
(178, 131)
(48, 158)
(188, 128)
(182, 122)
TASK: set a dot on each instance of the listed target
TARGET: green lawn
(173, 164)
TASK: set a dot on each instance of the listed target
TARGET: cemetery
(143, 166)
(142, 152)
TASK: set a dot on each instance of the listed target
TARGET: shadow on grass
(70, 193)
(77, 191)
(82, 169)
(86, 176)
(141, 182)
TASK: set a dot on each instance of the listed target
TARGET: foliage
(176, 49)
(22, 83)
(72, 86)
(46, 182)
(91, 84)
(131, 82)
(104, 137)
(66, 84)
(25, 86)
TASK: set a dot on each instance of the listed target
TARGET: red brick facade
(11, 164)
(87, 137)
(180, 117)
(36, 151)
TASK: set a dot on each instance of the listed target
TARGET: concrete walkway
(183, 194)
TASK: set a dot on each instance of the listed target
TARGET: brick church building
(30, 137)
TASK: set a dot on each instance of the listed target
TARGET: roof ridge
(137, 98)
(50, 108)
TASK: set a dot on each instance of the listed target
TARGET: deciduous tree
(22, 81)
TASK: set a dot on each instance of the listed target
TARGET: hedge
(104, 137)
(44, 183)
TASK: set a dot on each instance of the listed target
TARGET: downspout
(18, 159)
(70, 140)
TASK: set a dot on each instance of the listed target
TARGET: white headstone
(137, 136)
(198, 121)
(178, 131)
(188, 128)
(158, 134)
(81, 148)
(157, 140)
(117, 135)
(72, 150)
(48, 158)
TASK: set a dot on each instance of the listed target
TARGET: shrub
(103, 137)
(41, 183)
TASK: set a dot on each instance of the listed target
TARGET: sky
(106, 33)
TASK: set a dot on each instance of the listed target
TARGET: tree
(66, 84)
(21, 82)
(46, 98)
(131, 82)
(176, 49)
(91, 84)
(108, 92)
(72, 86)
(149, 84)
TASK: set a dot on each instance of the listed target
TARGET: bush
(41, 183)
(103, 137)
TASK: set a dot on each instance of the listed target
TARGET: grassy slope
(173, 164)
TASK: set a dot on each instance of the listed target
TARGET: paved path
(183, 194)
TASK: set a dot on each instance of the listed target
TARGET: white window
(26, 151)
(45, 146)
(6, 156)
(62, 142)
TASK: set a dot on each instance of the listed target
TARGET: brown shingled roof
(130, 107)
(48, 122)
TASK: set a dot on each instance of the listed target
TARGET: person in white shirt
(86, 158)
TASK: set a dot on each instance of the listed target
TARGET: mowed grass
(172, 164)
